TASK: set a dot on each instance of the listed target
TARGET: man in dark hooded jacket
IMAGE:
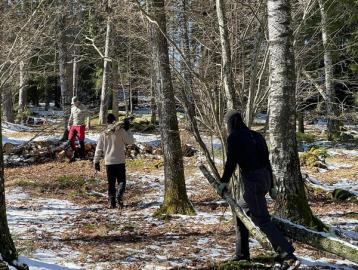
(248, 149)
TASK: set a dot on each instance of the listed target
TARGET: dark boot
(286, 262)
(112, 202)
(82, 152)
(120, 202)
(74, 156)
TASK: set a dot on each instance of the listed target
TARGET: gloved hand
(126, 124)
(222, 188)
(97, 167)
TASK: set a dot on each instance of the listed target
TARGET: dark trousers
(256, 185)
(116, 173)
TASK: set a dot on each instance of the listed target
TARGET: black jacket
(247, 149)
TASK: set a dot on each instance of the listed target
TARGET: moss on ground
(305, 137)
(312, 156)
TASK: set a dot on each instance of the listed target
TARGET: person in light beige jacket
(111, 145)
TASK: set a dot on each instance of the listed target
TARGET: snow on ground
(136, 240)
(324, 263)
(11, 127)
(350, 185)
(151, 139)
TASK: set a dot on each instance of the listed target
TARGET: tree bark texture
(291, 202)
(226, 65)
(7, 247)
(7, 109)
(332, 124)
(175, 196)
(185, 45)
(62, 58)
(22, 88)
(105, 91)
(115, 77)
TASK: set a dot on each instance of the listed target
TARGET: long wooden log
(254, 231)
(323, 241)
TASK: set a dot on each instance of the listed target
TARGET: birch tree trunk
(175, 195)
(185, 44)
(62, 57)
(104, 93)
(332, 124)
(226, 65)
(115, 89)
(291, 201)
(153, 104)
(22, 88)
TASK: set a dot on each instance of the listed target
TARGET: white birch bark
(291, 201)
(104, 93)
(328, 70)
(227, 76)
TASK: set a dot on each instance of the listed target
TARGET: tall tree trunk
(22, 88)
(7, 110)
(332, 124)
(75, 75)
(62, 57)
(7, 247)
(115, 77)
(291, 201)
(175, 196)
(226, 65)
(250, 106)
(185, 45)
(104, 93)
(153, 104)
(301, 123)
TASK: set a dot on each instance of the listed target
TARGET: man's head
(110, 118)
(75, 101)
(233, 120)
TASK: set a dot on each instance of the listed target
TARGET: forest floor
(59, 219)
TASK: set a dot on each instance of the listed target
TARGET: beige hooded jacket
(112, 146)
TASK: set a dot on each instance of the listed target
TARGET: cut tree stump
(323, 241)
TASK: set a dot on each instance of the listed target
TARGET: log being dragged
(254, 231)
(323, 241)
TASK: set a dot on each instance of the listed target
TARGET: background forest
(175, 67)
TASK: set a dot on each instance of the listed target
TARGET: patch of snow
(214, 143)
(337, 166)
(11, 127)
(349, 185)
(16, 194)
(45, 215)
(260, 118)
(47, 261)
(350, 153)
(324, 263)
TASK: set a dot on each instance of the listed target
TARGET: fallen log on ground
(323, 241)
(254, 231)
(339, 194)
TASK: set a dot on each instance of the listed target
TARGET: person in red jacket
(77, 128)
